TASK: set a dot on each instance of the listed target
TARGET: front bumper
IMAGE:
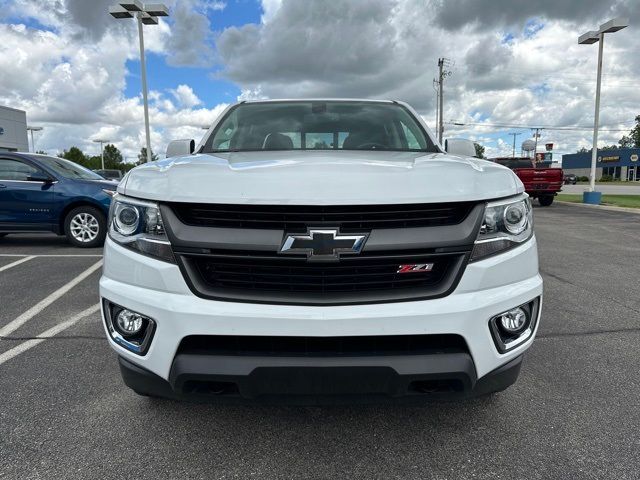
(294, 382)
(157, 289)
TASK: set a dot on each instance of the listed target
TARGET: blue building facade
(621, 164)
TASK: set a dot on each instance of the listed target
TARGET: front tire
(85, 227)
(545, 200)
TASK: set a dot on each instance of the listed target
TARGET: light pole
(588, 38)
(513, 155)
(146, 14)
(101, 142)
(33, 129)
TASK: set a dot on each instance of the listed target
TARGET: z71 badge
(415, 268)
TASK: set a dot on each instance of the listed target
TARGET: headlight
(137, 225)
(506, 224)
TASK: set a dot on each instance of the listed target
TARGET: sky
(76, 70)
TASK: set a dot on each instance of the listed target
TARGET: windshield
(68, 169)
(323, 125)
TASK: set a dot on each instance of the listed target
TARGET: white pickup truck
(310, 250)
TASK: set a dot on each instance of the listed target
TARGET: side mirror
(179, 148)
(460, 146)
(39, 177)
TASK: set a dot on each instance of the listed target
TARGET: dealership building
(13, 130)
(621, 164)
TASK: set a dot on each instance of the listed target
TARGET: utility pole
(440, 99)
(513, 155)
(442, 62)
(437, 90)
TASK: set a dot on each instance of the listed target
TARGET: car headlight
(507, 224)
(137, 225)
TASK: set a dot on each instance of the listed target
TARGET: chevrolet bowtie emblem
(323, 244)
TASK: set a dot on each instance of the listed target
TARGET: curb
(602, 207)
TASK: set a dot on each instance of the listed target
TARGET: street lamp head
(34, 129)
(100, 140)
(148, 19)
(117, 11)
(589, 38)
(156, 9)
(132, 5)
(614, 25)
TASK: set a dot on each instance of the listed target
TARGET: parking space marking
(17, 262)
(23, 347)
(88, 255)
(44, 303)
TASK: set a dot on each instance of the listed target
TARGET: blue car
(39, 193)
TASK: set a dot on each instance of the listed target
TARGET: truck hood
(320, 178)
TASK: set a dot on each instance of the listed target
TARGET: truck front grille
(298, 217)
(366, 278)
(234, 252)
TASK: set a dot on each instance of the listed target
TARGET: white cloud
(252, 94)
(269, 9)
(185, 96)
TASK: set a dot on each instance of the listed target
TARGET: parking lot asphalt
(574, 412)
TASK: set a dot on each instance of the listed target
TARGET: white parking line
(23, 347)
(17, 262)
(50, 255)
(42, 304)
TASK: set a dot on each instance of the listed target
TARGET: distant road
(607, 189)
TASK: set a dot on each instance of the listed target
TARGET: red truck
(540, 182)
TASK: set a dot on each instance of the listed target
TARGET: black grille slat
(286, 274)
(300, 217)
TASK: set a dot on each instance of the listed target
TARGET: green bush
(583, 179)
(606, 178)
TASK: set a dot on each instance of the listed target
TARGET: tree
(112, 157)
(76, 155)
(142, 156)
(479, 150)
(633, 139)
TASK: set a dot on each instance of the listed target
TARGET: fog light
(129, 329)
(514, 327)
(513, 321)
(128, 322)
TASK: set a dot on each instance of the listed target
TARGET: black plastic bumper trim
(320, 381)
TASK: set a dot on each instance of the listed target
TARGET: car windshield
(68, 169)
(319, 125)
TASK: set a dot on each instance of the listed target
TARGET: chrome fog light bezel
(137, 343)
(507, 341)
